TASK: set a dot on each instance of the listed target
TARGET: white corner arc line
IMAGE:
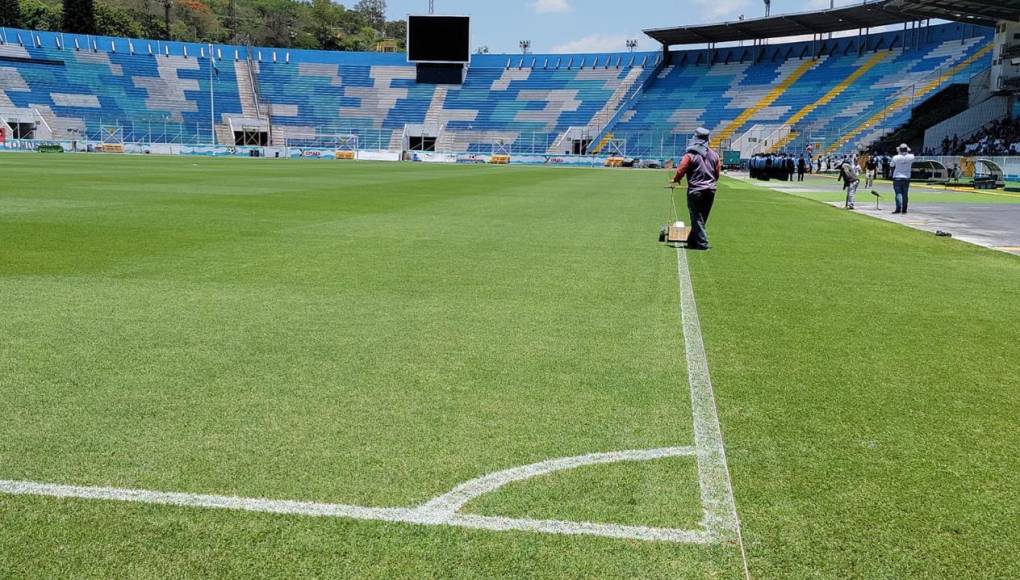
(457, 498)
(721, 518)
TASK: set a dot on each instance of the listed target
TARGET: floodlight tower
(525, 46)
(432, 6)
(768, 8)
(631, 45)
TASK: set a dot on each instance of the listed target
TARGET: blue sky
(588, 25)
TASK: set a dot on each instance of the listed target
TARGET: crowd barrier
(313, 153)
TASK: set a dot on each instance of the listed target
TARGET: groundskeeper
(848, 174)
(702, 168)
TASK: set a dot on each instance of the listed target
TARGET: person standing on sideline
(801, 168)
(702, 168)
(870, 169)
(902, 165)
(848, 174)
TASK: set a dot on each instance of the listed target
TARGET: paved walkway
(991, 226)
(995, 226)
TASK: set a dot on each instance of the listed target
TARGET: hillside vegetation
(317, 24)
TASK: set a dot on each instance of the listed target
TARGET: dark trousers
(700, 206)
(800, 176)
(902, 189)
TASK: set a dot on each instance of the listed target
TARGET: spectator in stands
(995, 138)
(849, 175)
(702, 167)
(801, 168)
(870, 168)
(903, 164)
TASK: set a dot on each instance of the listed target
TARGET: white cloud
(601, 43)
(551, 6)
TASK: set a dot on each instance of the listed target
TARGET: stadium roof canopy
(866, 15)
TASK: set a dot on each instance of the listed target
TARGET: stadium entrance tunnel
(22, 130)
(251, 137)
(421, 143)
(580, 146)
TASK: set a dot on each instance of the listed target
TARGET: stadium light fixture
(525, 46)
(632, 44)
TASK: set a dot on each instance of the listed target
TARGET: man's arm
(681, 171)
(718, 169)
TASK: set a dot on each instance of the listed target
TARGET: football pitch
(254, 368)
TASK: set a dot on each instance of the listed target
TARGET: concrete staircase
(397, 140)
(223, 134)
(245, 91)
(434, 116)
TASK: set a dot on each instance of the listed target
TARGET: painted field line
(720, 524)
(721, 519)
(441, 511)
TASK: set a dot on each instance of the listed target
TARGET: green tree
(313, 24)
(168, 30)
(195, 21)
(36, 15)
(372, 12)
(10, 13)
(397, 30)
(116, 21)
(79, 16)
(324, 23)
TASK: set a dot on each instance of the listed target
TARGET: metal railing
(660, 145)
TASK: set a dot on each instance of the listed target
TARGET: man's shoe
(896, 212)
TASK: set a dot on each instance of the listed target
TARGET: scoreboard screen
(439, 39)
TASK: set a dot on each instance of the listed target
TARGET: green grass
(376, 334)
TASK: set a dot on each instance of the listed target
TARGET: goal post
(111, 139)
(346, 146)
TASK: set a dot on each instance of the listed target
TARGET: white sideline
(441, 511)
(721, 519)
(720, 522)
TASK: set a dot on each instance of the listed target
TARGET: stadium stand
(107, 83)
(846, 96)
(831, 94)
